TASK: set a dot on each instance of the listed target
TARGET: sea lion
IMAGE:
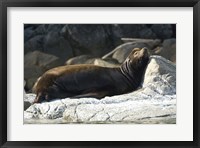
(87, 80)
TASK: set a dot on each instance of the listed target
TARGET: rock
(31, 81)
(55, 44)
(122, 51)
(151, 42)
(88, 38)
(147, 33)
(35, 43)
(88, 59)
(41, 30)
(167, 50)
(160, 76)
(162, 31)
(35, 64)
(153, 103)
(130, 31)
(43, 60)
(32, 71)
(83, 59)
(28, 100)
(95, 39)
(55, 27)
(104, 63)
(28, 33)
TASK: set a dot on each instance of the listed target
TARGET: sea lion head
(138, 58)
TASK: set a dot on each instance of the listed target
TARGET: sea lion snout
(144, 52)
(138, 53)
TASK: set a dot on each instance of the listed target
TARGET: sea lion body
(89, 80)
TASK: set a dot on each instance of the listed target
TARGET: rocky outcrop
(88, 43)
(153, 102)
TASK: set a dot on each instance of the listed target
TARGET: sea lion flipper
(38, 98)
(97, 95)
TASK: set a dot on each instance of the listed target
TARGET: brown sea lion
(86, 80)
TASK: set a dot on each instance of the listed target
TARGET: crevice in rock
(167, 115)
(47, 109)
(95, 114)
(108, 118)
(63, 104)
(75, 111)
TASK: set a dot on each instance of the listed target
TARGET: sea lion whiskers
(129, 73)
(133, 67)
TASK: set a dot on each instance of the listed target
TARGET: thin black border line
(100, 3)
(196, 73)
(1, 67)
(4, 74)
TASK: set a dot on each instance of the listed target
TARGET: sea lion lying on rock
(89, 80)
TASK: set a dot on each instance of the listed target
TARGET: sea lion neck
(132, 75)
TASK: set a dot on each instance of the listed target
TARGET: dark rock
(127, 30)
(147, 33)
(88, 38)
(162, 31)
(168, 50)
(130, 31)
(28, 33)
(40, 30)
(35, 43)
(55, 27)
(55, 44)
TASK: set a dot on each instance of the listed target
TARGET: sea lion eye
(135, 53)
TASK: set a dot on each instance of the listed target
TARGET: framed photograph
(99, 74)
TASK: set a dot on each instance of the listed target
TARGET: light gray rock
(121, 52)
(28, 100)
(153, 103)
(104, 63)
(83, 59)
